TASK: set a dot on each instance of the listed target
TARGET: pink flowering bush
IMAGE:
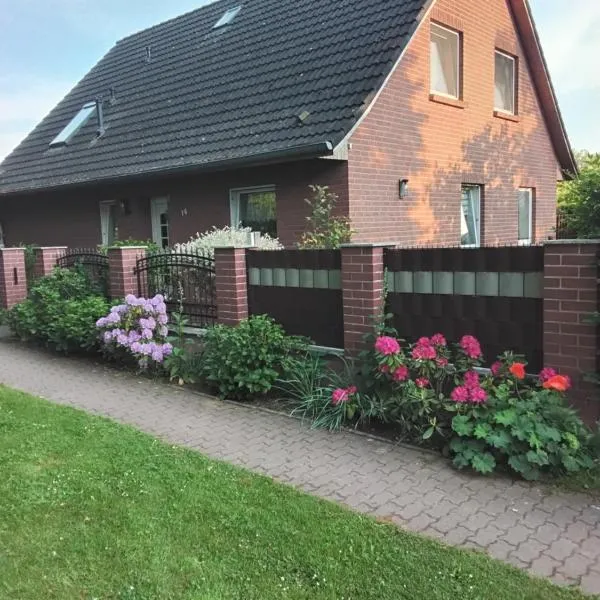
(138, 327)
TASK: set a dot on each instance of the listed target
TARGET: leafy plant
(184, 363)
(129, 243)
(324, 229)
(529, 430)
(60, 312)
(245, 361)
(322, 395)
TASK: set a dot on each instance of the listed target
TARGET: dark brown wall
(439, 146)
(196, 204)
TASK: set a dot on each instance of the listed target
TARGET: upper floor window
(505, 97)
(445, 61)
(254, 208)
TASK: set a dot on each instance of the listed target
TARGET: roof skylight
(227, 17)
(74, 125)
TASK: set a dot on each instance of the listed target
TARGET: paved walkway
(551, 534)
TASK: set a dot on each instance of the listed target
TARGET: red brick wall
(195, 204)
(13, 279)
(438, 147)
(571, 294)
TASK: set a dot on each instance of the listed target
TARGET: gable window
(254, 208)
(74, 125)
(445, 61)
(505, 83)
(470, 216)
(525, 219)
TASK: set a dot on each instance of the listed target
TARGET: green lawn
(92, 509)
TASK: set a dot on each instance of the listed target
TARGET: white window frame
(74, 125)
(458, 63)
(234, 200)
(514, 86)
(528, 241)
(158, 206)
(479, 189)
(105, 206)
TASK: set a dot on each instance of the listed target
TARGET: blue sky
(46, 46)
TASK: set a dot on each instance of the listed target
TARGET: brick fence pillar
(122, 279)
(571, 294)
(45, 259)
(362, 287)
(231, 285)
(13, 277)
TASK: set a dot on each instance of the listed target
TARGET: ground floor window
(255, 208)
(470, 216)
(525, 219)
(108, 222)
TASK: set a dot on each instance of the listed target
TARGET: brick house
(434, 121)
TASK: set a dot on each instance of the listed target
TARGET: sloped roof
(222, 96)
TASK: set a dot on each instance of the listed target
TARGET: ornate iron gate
(186, 280)
(93, 262)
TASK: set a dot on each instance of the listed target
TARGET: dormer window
(227, 17)
(74, 125)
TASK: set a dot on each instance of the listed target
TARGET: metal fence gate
(185, 279)
(92, 262)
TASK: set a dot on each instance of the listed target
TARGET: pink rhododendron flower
(423, 350)
(383, 368)
(340, 395)
(387, 345)
(547, 373)
(352, 390)
(471, 380)
(422, 382)
(438, 340)
(496, 368)
(471, 346)
(441, 361)
(460, 394)
(400, 374)
(477, 395)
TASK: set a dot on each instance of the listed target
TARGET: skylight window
(227, 17)
(75, 124)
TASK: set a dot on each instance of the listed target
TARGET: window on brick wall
(445, 61)
(470, 216)
(255, 208)
(525, 212)
(1, 237)
(505, 92)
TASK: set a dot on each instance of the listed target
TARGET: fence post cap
(12, 249)
(51, 247)
(575, 242)
(370, 245)
(127, 248)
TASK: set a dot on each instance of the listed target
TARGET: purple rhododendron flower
(146, 334)
(167, 349)
(163, 331)
(157, 356)
(136, 348)
(130, 299)
(162, 319)
(113, 318)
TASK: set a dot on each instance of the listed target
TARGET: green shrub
(245, 361)
(529, 430)
(60, 312)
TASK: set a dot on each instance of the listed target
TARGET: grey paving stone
(551, 533)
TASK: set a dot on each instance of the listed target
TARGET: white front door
(107, 222)
(159, 213)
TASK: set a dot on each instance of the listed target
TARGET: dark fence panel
(93, 262)
(186, 280)
(301, 290)
(494, 294)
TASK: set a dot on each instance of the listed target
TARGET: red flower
(518, 370)
(422, 382)
(546, 374)
(560, 383)
(338, 396)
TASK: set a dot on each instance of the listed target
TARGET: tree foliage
(579, 199)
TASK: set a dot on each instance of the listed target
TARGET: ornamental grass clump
(139, 328)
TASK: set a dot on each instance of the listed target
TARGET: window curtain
(504, 84)
(444, 62)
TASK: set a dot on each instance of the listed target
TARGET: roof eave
(303, 152)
